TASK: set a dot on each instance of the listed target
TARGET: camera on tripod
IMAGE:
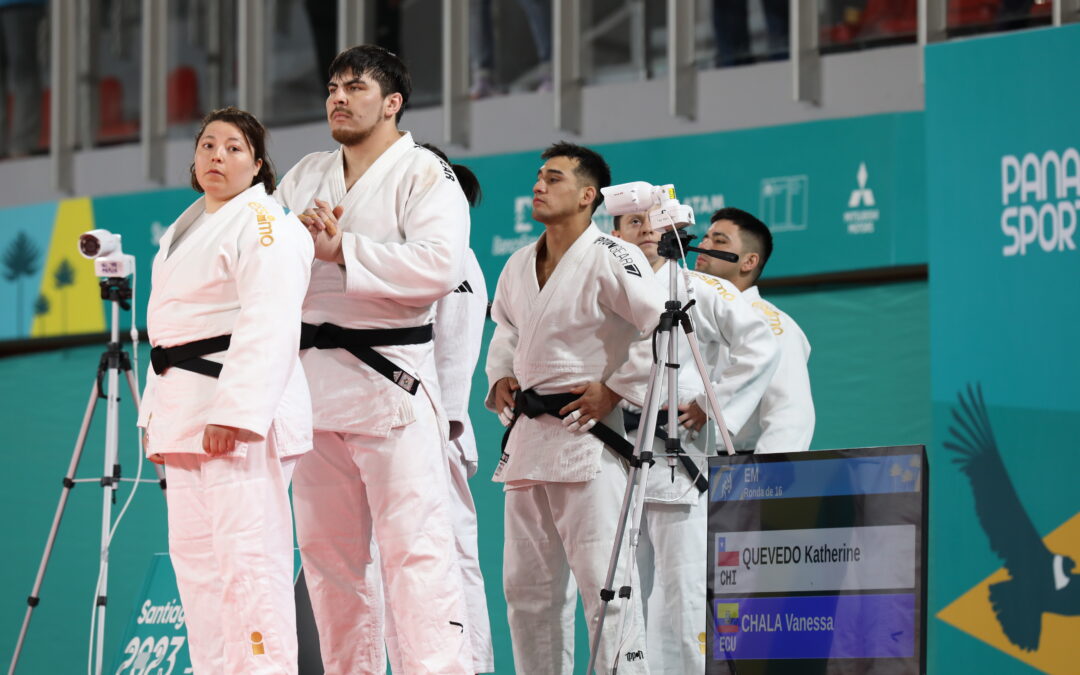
(105, 249)
(659, 201)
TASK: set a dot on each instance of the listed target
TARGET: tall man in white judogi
(567, 309)
(391, 230)
(742, 354)
(784, 420)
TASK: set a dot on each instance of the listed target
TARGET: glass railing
(116, 34)
(200, 63)
(300, 40)
(510, 44)
(24, 54)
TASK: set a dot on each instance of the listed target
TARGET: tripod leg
(670, 369)
(110, 481)
(138, 406)
(714, 403)
(69, 477)
(649, 414)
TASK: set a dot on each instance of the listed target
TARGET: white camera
(105, 249)
(658, 201)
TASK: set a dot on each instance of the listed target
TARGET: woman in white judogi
(229, 416)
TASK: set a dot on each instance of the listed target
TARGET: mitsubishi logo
(862, 196)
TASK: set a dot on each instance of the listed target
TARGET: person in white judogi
(741, 354)
(226, 406)
(459, 332)
(391, 229)
(567, 310)
(784, 419)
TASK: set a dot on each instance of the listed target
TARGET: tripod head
(674, 243)
(116, 289)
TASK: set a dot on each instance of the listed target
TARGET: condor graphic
(1041, 580)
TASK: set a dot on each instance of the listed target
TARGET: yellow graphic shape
(70, 293)
(973, 614)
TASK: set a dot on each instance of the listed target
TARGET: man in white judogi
(391, 231)
(784, 420)
(459, 332)
(742, 354)
(567, 309)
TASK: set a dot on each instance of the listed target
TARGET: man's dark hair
(255, 134)
(381, 65)
(760, 238)
(591, 167)
(616, 222)
(468, 181)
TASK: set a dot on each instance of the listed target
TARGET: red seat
(183, 95)
(972, 12)
(111, 123)
(46, 118)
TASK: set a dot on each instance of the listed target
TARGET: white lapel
(368, 185)
(169, 263)
(565, 272)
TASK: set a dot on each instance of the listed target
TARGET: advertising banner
(1003, 169)
(817, 562)
(838, 194)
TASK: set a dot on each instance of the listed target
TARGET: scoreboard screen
(817, 562)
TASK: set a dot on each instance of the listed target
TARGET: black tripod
(114, 360)
(673, 245)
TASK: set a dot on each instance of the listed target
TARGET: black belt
(359, 343)
(532, 404)
(632, 421)
(187, 356)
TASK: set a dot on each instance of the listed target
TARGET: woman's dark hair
(255, 134)
(468, 181)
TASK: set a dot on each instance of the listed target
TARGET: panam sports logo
(1040, 197)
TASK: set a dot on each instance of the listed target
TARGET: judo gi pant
(463, 517)
(671, 562)
(553, 530)
(231, 545)
(351, 490)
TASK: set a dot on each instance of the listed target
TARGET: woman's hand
(218, 440)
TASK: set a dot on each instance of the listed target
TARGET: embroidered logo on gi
(266, 232)
(635, 656)
(257, 647)
(465, 287)
(621, 254)
(772, 317)
(460, 626)
(717, 285)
